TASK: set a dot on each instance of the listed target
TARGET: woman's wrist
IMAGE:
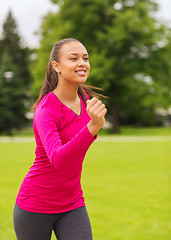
(93, 128)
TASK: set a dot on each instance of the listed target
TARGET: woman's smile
(81, 72)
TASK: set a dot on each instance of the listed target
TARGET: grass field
(126, 187)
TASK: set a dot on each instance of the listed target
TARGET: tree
(124, 42)
(15, 78)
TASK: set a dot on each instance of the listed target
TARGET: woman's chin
(81, 80)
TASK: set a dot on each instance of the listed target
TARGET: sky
(29, 13)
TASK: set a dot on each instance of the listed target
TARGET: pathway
(99, 139)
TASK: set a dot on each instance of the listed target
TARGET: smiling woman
(66, 123)
(73, 65)
(72, 57)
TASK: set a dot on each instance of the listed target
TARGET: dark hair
(51, 77)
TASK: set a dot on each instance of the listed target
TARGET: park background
(126, 176)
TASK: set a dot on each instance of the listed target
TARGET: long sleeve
(62, 156)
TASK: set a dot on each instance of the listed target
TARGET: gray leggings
(72, 225)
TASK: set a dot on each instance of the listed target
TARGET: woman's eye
(74, 58)
(86, 59)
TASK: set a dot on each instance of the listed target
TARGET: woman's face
(73, 63)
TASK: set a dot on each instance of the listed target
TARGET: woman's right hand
(96, 110)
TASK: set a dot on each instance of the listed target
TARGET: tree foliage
(129, 53)
(15, 78)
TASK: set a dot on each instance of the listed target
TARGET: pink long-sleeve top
(53, 183)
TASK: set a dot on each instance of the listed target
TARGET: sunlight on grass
(127, 190)
(126, 187)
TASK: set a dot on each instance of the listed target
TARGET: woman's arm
(60, 155)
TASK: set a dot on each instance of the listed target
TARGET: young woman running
(66, 123)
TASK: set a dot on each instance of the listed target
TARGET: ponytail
(49, 84)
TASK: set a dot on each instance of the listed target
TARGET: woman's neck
(69, 97)
(67, 92)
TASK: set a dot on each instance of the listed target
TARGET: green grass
(128, 192)
(126, 187)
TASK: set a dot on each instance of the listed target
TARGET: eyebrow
(77, 54)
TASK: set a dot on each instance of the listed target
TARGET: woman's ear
(56, 66)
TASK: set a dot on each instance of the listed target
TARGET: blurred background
(129, 43)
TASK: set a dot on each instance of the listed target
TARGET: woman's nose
(80, 62)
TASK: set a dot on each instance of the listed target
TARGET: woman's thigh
(74, 225)
(33, 226)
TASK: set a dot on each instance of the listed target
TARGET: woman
(65, 124)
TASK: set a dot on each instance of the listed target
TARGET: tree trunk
(114, 119)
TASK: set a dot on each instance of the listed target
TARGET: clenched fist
(96, 110)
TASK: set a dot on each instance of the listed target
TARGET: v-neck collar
(68, 107)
